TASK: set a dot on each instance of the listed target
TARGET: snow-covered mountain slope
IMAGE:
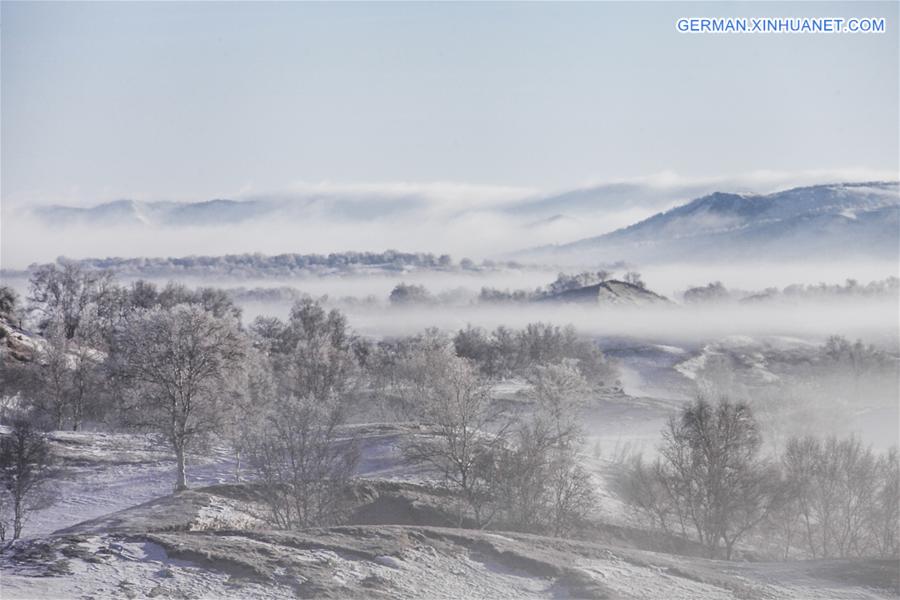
(860, 219)
(825, 222)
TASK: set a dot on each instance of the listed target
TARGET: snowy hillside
(402, 562)
(116, 531)
(610, 293)
(855, 220)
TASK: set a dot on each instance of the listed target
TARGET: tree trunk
(181, 480)
(77, 411)
(18, 515)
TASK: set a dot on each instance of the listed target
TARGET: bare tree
(53, 374)
(538, 483)
(634, 278)
(521, 471)
(645, 490)
(710, 479)
(572, 494)
(87, 380)
(520, 484)
(720, 483)
(469, 428)
(842, 491)
(302, 462)
(178, 362)
(69, 372)
(883, 522)
(25, 463)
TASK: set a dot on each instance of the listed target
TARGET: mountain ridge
(861, 218)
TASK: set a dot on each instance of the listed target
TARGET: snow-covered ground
(201, 545)
(103, 473)
(404, 562)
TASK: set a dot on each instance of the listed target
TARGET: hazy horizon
(478, 222)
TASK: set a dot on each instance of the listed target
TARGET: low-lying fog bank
(378, 280)
(874, 321)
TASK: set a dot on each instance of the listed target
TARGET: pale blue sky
(196, 100)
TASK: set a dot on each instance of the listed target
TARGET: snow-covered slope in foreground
(405, 562)
(211, 543)
(102, 473)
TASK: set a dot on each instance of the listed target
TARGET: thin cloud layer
(462, 219)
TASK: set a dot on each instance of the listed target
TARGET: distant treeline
(281, 265)
(717, 292)
(409, 294)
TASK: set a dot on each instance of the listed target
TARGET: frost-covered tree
(25, 468)
(292, 431)
(710, 479)
(712, 292)
(65, 291)
(251, 393)
(405, 294)
(469, 427)
(558, 392)
(69, 373)
(178, 363)
(313, 354)
(9, 301)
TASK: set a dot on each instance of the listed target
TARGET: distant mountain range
(529, 211)
(827, 222)
(209, 212)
